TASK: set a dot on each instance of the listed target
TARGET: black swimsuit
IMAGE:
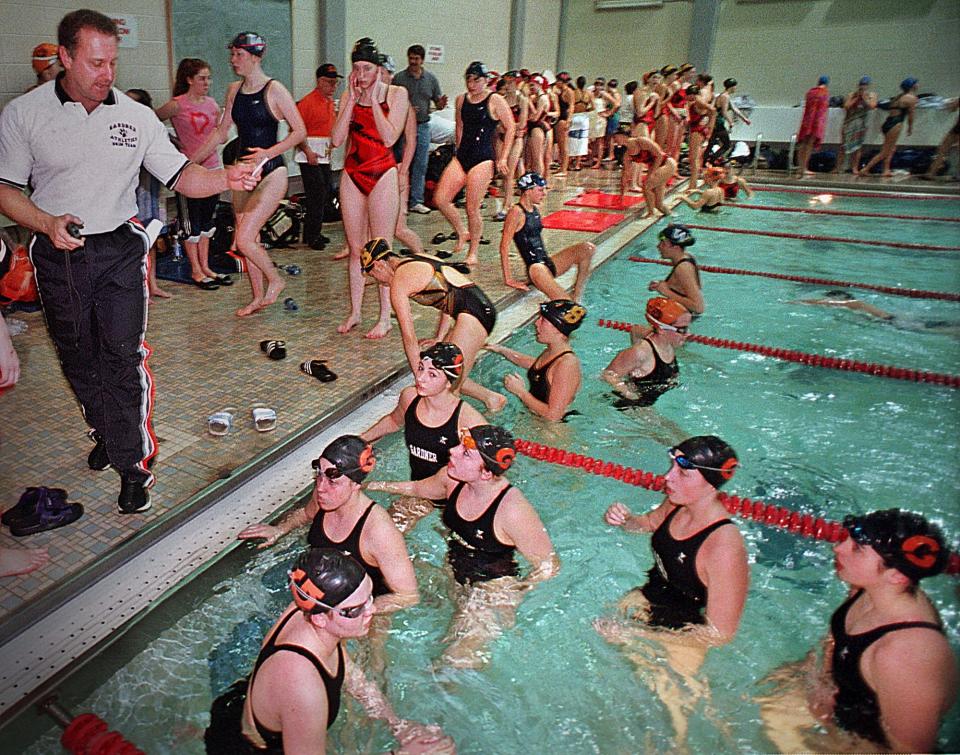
(453, 300)
(350, 545)
(429, 447)
(256, 125)
(537, 377)
(224, 735)
(650, 387)
(856, 708)
(676, 594)
(478, 131)
(529, 241)
(893, 120)
(473, 550)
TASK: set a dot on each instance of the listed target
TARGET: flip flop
(442, 254)
(484, 242)
(274, 349)
(438, 239)
(264, 418)
(221, 423)
(223, 280)
(318, 368)
(207, 284)
(290, 304)
(453, 236)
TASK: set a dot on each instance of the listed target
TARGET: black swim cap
(249, 41)
(678, 235)
(727, 83)
(364, 50)
(446, 357)
(322, 578)
(373, 250)
(388, 63)
(495, 445)
(905, 541)
(565, 315)
(476, 68)
(351, 455)
(710, 456)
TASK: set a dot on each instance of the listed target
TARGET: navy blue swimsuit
(478, 131)
(474, 552)
(529, 241)
(256, 126)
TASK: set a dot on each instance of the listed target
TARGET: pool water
(815, 440)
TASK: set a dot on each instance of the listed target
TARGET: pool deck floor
(206, 359)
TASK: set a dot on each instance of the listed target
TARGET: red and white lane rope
(913, 293)
(815, 360)
(835, 239)
(866, 194)
(843, 213)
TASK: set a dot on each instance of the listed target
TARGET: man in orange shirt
(313, 153)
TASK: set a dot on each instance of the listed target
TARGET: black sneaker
(98, 459)
(133, 498)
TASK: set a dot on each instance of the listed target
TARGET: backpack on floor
(19, 283)
(282, 229)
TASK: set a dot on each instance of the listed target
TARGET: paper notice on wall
(434, 54)
(127, 29)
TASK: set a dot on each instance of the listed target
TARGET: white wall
(622, 44)
(541, 34)
(776, 50)
(25, 24)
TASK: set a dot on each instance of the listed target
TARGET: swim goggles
(682, 329)
(333, 473)
(684, 462)
(350, 612)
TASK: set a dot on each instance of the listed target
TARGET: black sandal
(318, 368)
(274, 349)
(438, 239)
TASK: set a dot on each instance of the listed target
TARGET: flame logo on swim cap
(367, 460)
(505, 457)
(302, 589)
(920, 550)
(372, 251)
(575, 314)
(728, 468)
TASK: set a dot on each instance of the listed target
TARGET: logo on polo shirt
(123, 135)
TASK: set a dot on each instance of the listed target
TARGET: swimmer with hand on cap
(888, 675)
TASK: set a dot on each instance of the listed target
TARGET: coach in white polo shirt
(79, 143)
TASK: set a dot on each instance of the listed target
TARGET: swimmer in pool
(648, 368)
(431, 415)
(732, 182)
(292, 697)
(683, 282)
(553, 378)
(489, 522)
(710, 194)
(341, 516)
(467, 315)
(697, 588)
(888, 675)
(523, 226)
(838, 298)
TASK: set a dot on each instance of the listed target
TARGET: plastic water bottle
(177, 249)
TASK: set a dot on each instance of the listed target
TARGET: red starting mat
(575, 220)
(604, 201)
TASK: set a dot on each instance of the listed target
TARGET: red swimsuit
(368, 158)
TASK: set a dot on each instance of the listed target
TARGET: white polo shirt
(84, 164)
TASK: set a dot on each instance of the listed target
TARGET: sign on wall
(127, 29)
(434, 54)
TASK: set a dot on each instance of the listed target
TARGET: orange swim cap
(660, 309)
(44, 56)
